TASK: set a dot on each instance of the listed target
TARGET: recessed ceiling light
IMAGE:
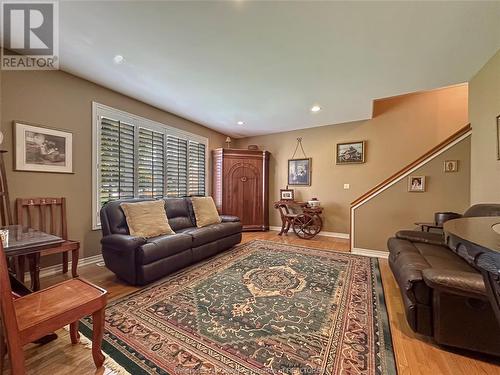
(118, 59)
(240, 123)
(315, 108)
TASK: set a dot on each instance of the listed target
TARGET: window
(136, 157)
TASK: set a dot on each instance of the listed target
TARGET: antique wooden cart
(305, 220)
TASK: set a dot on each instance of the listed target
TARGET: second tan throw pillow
(146, 219)
(205, 211)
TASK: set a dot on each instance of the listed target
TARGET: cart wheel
(307, 226)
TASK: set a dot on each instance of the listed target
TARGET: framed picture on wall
(451, 166)
(286, 194)
(351, 153)
(299, 172)
(416, 184)
(41, 149)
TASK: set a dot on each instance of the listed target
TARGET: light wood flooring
(415, 355)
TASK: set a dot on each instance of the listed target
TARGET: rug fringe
(111, 367)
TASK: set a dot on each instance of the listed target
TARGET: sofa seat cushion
(162, 247)
(212, 232)
(440, 257)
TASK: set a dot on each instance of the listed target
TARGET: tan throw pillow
(146, 219)
(205, 211)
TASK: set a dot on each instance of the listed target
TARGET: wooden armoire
(241, 186)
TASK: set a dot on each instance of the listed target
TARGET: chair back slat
(45, 214)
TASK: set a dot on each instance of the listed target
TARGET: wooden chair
(47, 215)
(35, 315)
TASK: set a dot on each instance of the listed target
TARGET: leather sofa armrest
(467, 284)
(122, 242)
(423, 237)
(229, 219)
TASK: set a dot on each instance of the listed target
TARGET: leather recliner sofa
(444, 296)
(139, 261)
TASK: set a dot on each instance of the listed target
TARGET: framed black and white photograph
(451, 166)
(351, 152)
(416, 184)
(286, 194)
(299, 172)
(41, 149)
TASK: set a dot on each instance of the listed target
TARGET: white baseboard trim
(57, 268)
(322, 233)
(370, 253)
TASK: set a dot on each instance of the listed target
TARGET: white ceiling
(267, 63)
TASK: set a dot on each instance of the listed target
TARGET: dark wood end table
(27, 241)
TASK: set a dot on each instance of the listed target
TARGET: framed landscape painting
(40, 149)
(351, 152)
(299, 172)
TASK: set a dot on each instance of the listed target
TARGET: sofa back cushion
(146, 219)
(483, 209)
(179, 213)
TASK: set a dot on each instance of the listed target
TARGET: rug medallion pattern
(262, 308)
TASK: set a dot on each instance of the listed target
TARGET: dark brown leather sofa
(139, 261)
(444, 296)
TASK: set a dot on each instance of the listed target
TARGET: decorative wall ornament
(416, 184)
(299, 170)
(41, 149)
(451, 166)
(351, 152)
(228, 142)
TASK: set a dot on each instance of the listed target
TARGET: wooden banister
(401, 172)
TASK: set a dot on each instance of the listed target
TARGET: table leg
(19, 262)
(74, 262)
(73, 332)
(65, 262)
(34, 260)
(97, 334)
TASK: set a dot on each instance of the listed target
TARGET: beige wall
(404, 128)
(484, 107)
(396, 208)
(60, 100)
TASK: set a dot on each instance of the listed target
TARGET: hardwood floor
(415, 355)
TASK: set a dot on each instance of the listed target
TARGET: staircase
(398, 176)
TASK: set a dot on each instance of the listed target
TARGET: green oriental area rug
(261, 308)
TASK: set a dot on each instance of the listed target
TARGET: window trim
(100, 110)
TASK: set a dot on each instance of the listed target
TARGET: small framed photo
(416, 184)
(41, 149)
(286, 194)
(451, 166)
(351, 153)
(299, 172)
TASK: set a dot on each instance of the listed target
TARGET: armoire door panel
(241, 186)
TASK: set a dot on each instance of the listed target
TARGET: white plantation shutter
(117, 160)
(137, 157)
(177, 167)
(150, 164)
(196, 171)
